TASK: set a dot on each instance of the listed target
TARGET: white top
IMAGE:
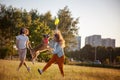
(22, 39)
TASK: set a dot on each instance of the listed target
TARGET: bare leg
(21, 63)
(25, 65)
(28, 68)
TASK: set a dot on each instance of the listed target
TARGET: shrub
(4, 52)
(66, 60)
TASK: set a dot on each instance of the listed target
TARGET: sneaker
(40, 71)
(28, 69)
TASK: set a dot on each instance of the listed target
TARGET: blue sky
(100, 17)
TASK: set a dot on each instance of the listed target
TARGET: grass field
(8, 72)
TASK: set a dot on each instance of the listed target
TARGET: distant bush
(97, 65)
(44, 56)
(66, 61)
(3, 52)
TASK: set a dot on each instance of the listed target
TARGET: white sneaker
(40, 71)
(28, 69)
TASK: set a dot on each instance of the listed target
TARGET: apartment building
(96, 40)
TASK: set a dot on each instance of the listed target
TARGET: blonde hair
(59, 38)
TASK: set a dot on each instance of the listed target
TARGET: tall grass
(8, 72)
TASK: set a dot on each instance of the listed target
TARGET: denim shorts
(22, 54)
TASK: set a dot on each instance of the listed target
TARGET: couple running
(22, 43)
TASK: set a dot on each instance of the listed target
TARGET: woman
(22, 42)
(58, 53)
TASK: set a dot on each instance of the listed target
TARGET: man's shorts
(22, 54)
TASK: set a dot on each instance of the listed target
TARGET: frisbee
(56, 21)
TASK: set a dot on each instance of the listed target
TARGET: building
(96, 40)
(75, 44)
(108, 42)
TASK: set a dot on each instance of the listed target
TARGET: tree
(6, 28)
(12, 19)
(110, 52)
(87, 53)
(67, 25)
(116, 55)
(39, 27)
(102, 53)
(26, 19)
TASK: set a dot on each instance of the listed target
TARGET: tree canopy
(12, 19)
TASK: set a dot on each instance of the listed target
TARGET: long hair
(59, 38)
(22, 31)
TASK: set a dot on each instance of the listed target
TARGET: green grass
(8, 72)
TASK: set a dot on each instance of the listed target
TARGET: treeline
(12, 19)
(104, 54)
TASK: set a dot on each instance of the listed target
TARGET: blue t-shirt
(58, 49)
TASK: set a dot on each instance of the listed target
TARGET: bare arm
(17, 43)
(28, 45)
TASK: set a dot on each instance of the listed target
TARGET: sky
(97, 17)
